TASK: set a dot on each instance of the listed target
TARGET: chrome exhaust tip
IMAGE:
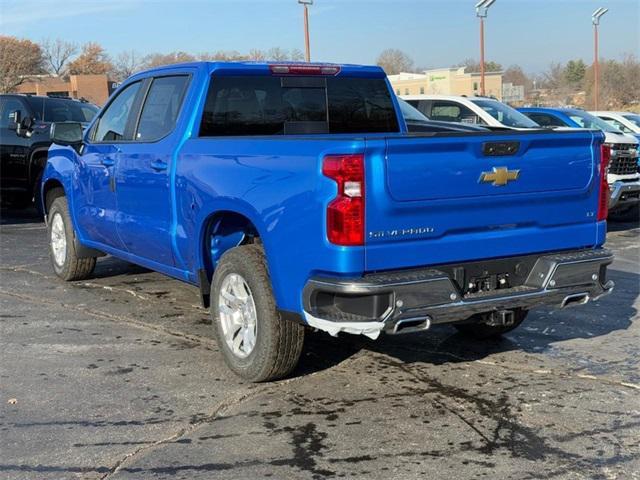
(575, 299)
(409, 325)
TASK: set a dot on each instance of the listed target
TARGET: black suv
(25, 122)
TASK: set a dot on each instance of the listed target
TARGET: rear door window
(271, 105)
(161, 107)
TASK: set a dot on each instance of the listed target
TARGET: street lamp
(481, 11)
(307, 52)
(595, 19)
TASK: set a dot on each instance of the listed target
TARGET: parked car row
(621, 130)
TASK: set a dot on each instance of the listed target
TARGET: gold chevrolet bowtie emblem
(500, 176)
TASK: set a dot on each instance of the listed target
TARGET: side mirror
(22, 126)
(66, 133)
(15, 118)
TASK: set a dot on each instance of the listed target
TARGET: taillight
(604, 194)
(345, 213)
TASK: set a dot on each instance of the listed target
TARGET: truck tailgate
(443, 199)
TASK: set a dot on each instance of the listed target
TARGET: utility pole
(481, 12)
(595, 19)
(307, 49)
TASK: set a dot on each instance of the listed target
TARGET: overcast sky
(435, 33)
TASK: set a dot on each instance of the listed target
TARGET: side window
(545, 120)
(161, 108)
(9, 106)
(421, 105)
(617, 124)
(446, 112)
(453, 112)
(113, 122)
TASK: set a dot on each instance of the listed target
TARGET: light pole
(595, 19)
(307, 51)
(481, 11)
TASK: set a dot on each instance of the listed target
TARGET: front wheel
(257, 344)
(478, 328)
(62, 250)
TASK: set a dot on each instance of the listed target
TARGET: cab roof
(372, 71)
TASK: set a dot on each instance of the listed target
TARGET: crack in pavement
(233, 400)
(195, 339)
(537, 371)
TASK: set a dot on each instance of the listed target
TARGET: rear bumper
(624, 193)
(411, 300)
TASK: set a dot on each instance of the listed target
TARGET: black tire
(478, 329)
(278, 342)
(629, 214)
(37, 195)
(71, 267)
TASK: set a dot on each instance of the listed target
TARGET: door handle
(158, 165)
(108, 161)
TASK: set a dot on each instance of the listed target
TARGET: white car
(627, 122)
(475, 110)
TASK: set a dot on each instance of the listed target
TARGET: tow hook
(501, 318)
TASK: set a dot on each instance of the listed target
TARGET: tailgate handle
(500, 149)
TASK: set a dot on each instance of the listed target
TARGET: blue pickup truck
(294, 196)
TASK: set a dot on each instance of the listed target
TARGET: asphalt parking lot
(119, 378)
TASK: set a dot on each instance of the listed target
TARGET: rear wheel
(628, 214)
(477, 326)
(256, 343)
(62, 250)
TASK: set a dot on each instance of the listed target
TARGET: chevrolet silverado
(293, 196)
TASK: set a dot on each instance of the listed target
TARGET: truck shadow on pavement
(543, 331)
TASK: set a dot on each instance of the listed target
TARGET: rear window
(269, 105)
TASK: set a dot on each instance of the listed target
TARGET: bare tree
(18, 60)
(126, 64)
(471, 66)
(159, 59)
(619, 83)
(256, 54)
(515, 75)
(296, 55)
(93, 60)
(277, 54)
(394, 61)
(56, 54)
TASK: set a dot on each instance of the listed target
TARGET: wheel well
(52, 190)
(223, 230)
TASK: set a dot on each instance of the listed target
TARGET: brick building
(94, 88)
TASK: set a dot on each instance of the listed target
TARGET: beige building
(94, 88)
(446, 81)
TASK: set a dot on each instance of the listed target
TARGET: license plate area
(490, 275)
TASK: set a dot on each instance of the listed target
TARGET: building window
(406, 91)
(421, 90)
(475, 86)
(397, 91)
